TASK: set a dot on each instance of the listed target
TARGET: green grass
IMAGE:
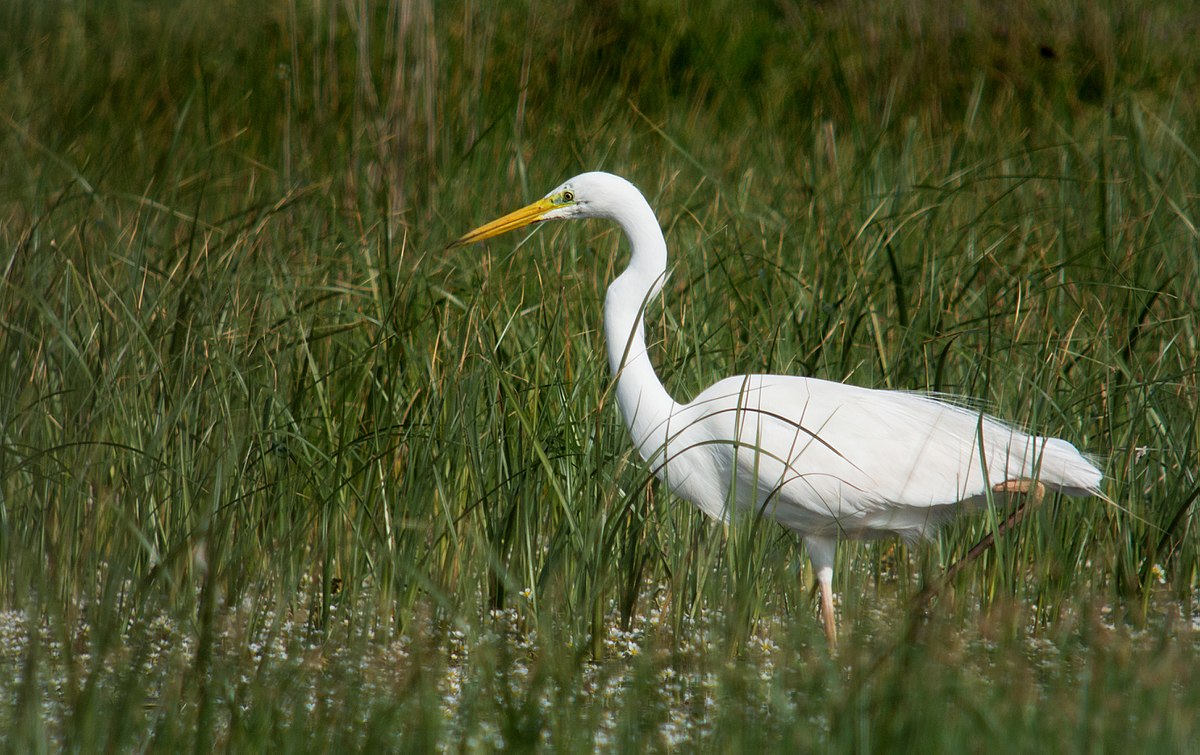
(277, 470)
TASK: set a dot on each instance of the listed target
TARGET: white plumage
(825, 459)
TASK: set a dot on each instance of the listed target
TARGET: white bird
(825, 459)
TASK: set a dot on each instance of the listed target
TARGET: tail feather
(1064, 469)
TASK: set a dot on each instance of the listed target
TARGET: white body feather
(830, 459)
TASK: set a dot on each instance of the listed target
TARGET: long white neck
(644, 402)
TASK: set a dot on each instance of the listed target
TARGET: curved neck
(644, 402)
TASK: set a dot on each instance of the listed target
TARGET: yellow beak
(510, 222)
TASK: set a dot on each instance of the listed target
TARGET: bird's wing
(831, 445)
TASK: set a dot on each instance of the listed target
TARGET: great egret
(822, 458)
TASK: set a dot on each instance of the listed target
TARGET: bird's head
(588, 195)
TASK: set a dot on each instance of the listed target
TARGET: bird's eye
(567, 196)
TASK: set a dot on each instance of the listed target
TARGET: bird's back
(824, 457)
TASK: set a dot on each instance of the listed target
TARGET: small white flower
(1158, 574)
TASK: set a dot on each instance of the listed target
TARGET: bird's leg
(821, 551)
(1033, 493)
(825, 582)
(825, 588)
